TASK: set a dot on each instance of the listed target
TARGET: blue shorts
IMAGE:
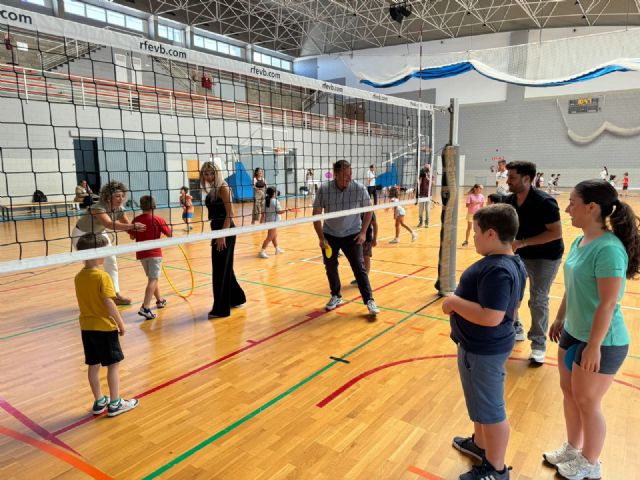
(186, 215)
(482, 378)
(611, 357)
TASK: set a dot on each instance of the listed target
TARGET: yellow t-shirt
(92, 287)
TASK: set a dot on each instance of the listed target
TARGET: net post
(446, 283)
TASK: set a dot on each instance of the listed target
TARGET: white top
(603, 174)
(271, 212)
(399, 208)
(501, 179)
(372, 178)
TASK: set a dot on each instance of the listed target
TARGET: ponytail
(626, 226)
(270, 193)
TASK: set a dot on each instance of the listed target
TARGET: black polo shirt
(538, 209)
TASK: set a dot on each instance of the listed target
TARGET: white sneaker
(414, 236)
(395, 240)
(580, 469)
(561, 455)
(121, 406)
(537, 356)
(333, 302)
(373, 308)
(279, 251)
(263, 254)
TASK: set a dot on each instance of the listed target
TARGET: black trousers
(353, 252)
(227, 292)
(373, 193)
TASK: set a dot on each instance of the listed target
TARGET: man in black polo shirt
(539, 244)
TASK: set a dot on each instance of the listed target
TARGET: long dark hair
(271, 192)
(625, 224)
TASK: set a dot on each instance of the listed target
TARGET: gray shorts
(611, 357)
(482, 378)
(152, 266)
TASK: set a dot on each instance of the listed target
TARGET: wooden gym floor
(281, 389)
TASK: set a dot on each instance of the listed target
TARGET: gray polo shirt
(331, 199)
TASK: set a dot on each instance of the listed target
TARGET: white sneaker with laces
(395, 240)
(263, 254)
(373, 308)
(121, 406)
(333, 302)
(279, 251)
(414, 236)
(537, 356)
(580, 469)
(561, 455)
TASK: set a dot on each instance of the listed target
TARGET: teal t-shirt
(603, 258)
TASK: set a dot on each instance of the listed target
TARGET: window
(96, 13)
(210, 44)
(170, 33)
(115, 18)
(135, 23)
(42, 3)
(162, 31)
(285, 64)
(198, 41)
(73, 7)
(257, 57)
(223, 48)
(275, 62)
(235, 51)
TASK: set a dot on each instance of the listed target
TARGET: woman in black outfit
(227, 292)
(259, 189)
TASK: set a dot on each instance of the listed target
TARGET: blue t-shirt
(604, 257)
(496, 282)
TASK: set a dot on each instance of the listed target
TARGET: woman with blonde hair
(227, 292)
(108, 214)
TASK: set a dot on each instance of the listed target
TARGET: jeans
(423, 212)
(353, 252)
(541, 275)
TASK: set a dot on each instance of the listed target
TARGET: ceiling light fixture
(399, 11)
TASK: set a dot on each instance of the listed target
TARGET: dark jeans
(373, 193)
(227, 292)
(353, 252)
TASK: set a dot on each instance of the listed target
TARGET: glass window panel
(223, 48)
(115, 18)
(135, 23)
(198, 41)
(209, 44)
(286, 64)
(257, 57)
(162, 31)
(75, 8)
(235, 51)
(42, 3)
(275, 62)
(96, 13)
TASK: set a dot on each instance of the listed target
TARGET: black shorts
(611, 357)
(101, 347)
(625, 187)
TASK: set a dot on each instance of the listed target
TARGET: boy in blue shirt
(482, 312)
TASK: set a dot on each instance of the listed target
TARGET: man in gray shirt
(345, 233)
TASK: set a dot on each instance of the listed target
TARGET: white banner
(65, 28)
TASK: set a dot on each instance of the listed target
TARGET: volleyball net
(81, 103)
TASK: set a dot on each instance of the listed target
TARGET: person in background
(474, 202)
(84, 194)
(371, 184)
(259, 188)
(424, 182)
(501, 179)
(625, 184)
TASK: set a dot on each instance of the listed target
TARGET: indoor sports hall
(233, 137)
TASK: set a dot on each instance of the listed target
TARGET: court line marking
(56, 452)
(33, 426)
(310, 317)
(276, 399)
(332, 396)
(422, 473)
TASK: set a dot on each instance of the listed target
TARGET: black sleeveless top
(217, 212)
(260, 184)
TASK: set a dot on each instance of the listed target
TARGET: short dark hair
(495, 198)
(523, 168)
(147, 202)
(91, 240)
(186, 189)
(502, 218)
(340, 164)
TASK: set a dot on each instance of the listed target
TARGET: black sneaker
(99, 406)
(467, 445)
(485, 471)
(146, 313)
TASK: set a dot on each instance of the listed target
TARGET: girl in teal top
(589, 326)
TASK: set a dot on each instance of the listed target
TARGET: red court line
(356, 379)
(310, 317)
(33, 426)
(632, 375)
(422, 473)
(56, 452)
(417, 329)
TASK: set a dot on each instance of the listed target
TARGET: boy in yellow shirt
(101, 324)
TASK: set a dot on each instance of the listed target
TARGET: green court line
(270, 403)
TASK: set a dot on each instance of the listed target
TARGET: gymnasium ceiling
(311, 27)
